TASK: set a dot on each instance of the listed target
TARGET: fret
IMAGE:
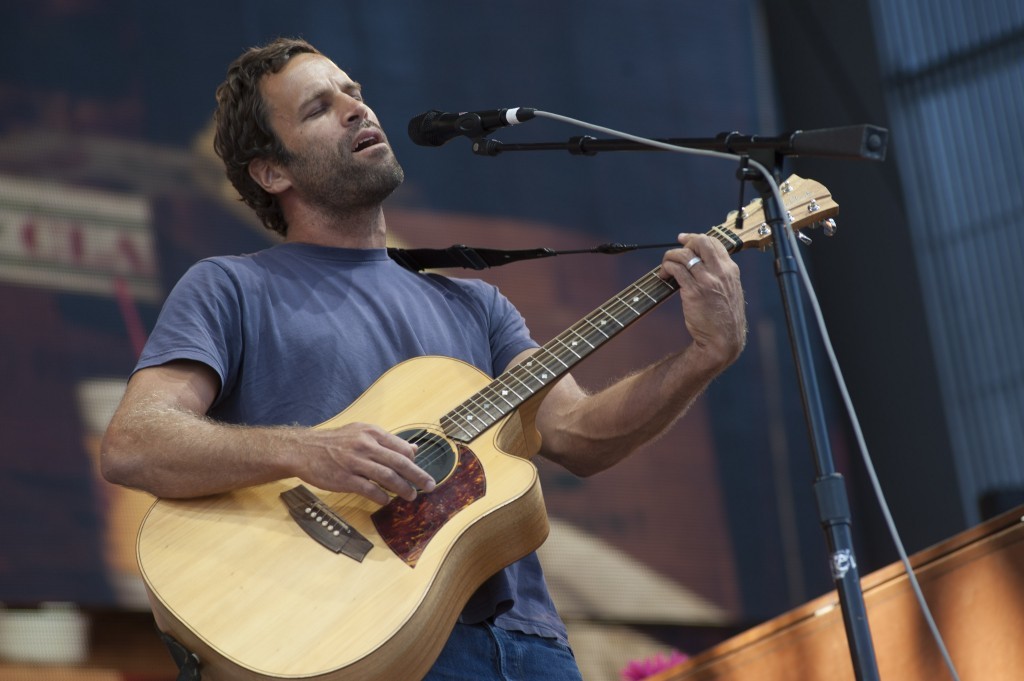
(597, 328)
(499, 395)
(468, 421)
(614, 311)
(504, 392)
(471, 417)
(637, 305)
(557, 358)
(639, 287)
(481, 413)
(488, 406)
(541, 378)
(727, 237)
(457, 424)
(609, 315)
(463, 425)
(653, 299)
(581, 336)
(541, 355)
(568, 347)
(633, 309)
(508, 389)
(458, 429)
(512, 374)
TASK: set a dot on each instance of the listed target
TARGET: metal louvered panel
(954, 73)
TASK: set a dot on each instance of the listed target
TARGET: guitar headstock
(809, 203)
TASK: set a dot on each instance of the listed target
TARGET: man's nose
(354, 111)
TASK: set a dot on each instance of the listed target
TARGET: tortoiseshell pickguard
(408, 526)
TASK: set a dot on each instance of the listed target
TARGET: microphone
(434, 128)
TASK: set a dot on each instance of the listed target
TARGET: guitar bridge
(324, 525)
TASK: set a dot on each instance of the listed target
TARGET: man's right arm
(161, 441)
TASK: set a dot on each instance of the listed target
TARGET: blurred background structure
(109, 190)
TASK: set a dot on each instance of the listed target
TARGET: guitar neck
(809, 201)
(555, 358)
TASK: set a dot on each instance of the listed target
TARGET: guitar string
(614, 310)
(466, 410)
(562, 346)
(478, 405)
(550, 351)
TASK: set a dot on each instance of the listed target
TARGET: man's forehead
(305, 75)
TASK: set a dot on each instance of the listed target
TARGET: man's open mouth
(367, 139)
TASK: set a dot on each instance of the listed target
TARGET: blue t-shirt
(297, 332)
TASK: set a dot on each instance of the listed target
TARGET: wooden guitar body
(236, 580)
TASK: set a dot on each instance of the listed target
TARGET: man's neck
(362, 229)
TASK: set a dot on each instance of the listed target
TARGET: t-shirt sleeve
(200, 321)
(509, 334)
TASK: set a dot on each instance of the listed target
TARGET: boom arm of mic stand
(868, 142)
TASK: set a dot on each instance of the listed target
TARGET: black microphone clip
(434, 128)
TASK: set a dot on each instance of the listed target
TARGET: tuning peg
(804, 239)
(829, 227)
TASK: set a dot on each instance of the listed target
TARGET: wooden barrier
(974, 586)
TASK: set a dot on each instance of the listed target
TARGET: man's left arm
(587, 433)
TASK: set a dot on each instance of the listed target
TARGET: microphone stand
(853, 142)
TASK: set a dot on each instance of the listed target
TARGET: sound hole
(434, 454)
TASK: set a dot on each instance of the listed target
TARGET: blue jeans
(484, 652)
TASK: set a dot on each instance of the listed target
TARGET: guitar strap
(460, 255)
(188, 662)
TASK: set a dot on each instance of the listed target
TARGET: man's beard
(333, 181)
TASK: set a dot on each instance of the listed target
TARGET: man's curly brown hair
(244, 132)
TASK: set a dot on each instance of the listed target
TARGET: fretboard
(517, 385)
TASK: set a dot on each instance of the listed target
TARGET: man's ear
(267, 175)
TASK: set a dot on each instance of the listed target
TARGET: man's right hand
(364, 459)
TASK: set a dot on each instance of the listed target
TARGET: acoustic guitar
(287, 581)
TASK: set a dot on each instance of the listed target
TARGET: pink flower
(637, 670)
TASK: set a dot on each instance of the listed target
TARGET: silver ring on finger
(693, 262)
